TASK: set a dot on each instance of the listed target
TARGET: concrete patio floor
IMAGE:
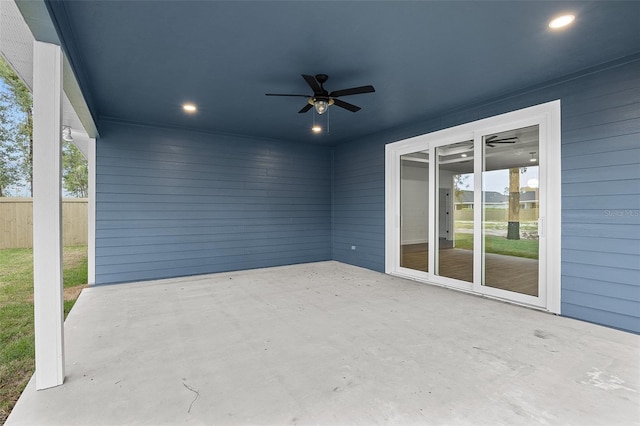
(328, 343)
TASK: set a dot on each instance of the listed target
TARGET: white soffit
(16, 46)
(16, 41)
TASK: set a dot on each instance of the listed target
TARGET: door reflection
(510, 210)
(414, 210)
(454, 255)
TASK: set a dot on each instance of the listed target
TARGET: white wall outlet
(353, 247)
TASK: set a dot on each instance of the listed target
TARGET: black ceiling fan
(321, 99)
(491, 140)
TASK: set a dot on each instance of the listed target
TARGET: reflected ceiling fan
(321, 99)
(492, 140)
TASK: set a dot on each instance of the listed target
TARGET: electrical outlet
(353, 247)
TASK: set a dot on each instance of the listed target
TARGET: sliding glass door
(510, 210)
(466, 208)
(454, 255)
(414, 211)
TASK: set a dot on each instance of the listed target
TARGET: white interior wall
(414, 203)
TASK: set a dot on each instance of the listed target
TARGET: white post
(91, 212)
(47, 212)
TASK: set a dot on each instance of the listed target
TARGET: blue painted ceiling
(138, 61)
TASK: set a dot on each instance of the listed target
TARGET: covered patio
(329, 343)
(194, 172)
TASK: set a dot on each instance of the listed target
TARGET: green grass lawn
(500, 245)
(16, 315)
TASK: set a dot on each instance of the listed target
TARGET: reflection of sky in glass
(497, 180)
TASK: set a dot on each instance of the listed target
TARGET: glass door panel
(414, 211)
(510, 210)
(454, 211)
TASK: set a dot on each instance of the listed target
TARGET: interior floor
(323, 344)
(511, 273)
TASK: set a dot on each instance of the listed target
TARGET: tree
(513, 227)
(9, 170)
(17, 127)
(460, 182)
(75, 175)
(16, 140)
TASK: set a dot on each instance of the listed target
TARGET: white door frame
(547, 116)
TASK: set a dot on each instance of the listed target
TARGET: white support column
(91, 211)
(47, 214)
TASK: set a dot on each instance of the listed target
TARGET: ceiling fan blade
(352, 91)
(510, 140)
(280, 94)
(346, 105)
(311, 81)
(305, 108)
(492, 143)
(494, 139)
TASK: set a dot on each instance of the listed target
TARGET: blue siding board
(140, 243)
(613, 260)
(603, 303)
(603, 245)
(602, 288)
(173, 203)
(610, 158)
(598, 316)
(197, 241)
(210, 252)
(613, 187)
(601, 202)
(229, 263)
(588, 133)
(186, 160)
(600, 217)
(602, 116)
(603, 273)
(616, 143)
(600, 187)
(622, 231)
(619, 98)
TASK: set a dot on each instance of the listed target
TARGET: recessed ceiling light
(463, 155)
(561, 21)
(316, 129)
(190, 108)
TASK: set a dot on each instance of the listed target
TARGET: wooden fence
(16, 222)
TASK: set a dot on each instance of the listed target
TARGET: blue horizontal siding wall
(173, 203)
(600, 189)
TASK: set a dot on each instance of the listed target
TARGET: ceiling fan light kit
(321, 105)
